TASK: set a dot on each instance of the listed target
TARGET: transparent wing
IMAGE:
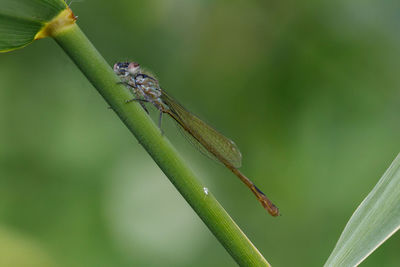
(196, 143)
(207, 139)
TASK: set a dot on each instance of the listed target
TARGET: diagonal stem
(99, 73)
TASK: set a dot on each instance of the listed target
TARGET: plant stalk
(100, 74)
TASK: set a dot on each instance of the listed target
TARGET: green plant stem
(99, 73)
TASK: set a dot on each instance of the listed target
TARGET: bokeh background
(308, 90)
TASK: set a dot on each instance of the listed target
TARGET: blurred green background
(308, 90)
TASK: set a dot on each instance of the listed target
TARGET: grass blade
(375, 220)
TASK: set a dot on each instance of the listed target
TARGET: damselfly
(147, 89)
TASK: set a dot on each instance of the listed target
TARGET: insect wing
(203, 136)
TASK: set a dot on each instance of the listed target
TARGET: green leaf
(375, 220)
(21, 20)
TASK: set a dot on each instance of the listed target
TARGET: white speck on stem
(205, 189)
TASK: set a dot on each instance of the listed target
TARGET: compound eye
(133, 68)
(134, 64)
(116, 66)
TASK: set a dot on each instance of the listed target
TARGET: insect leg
(140, 102)
(159, 122)
(127, 84)
(143, 106)
(136, 99)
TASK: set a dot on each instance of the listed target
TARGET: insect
(146, 89)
